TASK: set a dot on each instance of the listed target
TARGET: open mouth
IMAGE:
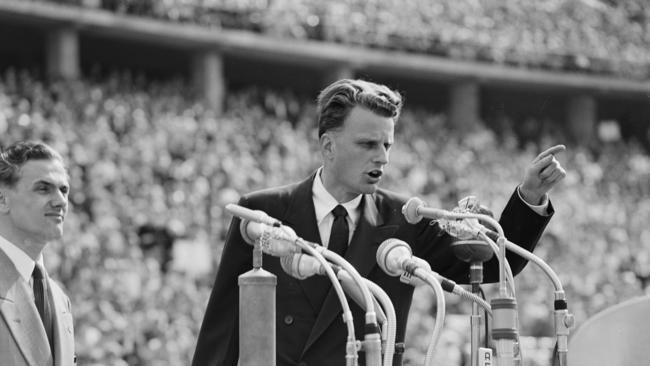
(376, 174)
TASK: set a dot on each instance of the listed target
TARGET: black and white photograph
(324, 182)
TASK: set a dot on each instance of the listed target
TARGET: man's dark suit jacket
(310, 332)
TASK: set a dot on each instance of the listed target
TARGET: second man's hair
(15, 156)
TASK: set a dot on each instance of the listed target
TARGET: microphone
(257, 289)
(277, 241)
(252, 215)
(395, 257)
(468, 228)
(460, 229)
(301, 266)
(414, 210)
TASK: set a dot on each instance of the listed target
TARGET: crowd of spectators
(594, 36)
(146, 154)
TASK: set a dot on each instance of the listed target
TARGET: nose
(59, 201)
(382, 156)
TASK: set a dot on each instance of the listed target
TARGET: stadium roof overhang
(312, 53)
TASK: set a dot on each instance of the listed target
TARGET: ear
(327, 145)
(4, 200)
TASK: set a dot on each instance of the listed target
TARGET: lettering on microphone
(485, 356)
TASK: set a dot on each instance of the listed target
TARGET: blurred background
(167, 110)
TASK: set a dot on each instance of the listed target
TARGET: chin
(369, 189)
(55, 235)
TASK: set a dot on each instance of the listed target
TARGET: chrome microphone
(301, 266)
(252, 215)
(414, 210)
(395, 257)
(278, 241)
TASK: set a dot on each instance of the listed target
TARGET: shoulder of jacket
(391, 198)
(262, 198)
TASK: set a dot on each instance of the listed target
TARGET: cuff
(541, 209)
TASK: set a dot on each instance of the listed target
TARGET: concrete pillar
(464, 105)
(209, 78)
(581, 118)
(62, 53)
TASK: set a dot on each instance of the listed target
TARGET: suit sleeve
(218, 340)
(521, 225)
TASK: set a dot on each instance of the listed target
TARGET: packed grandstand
(600, 36)
(145, 152)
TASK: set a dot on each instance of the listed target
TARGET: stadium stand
(144, 152)
(594, 36)
(147, 154)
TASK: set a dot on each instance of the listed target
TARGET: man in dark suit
(356, 125)
(35, 317)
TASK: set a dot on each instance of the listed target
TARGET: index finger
(550, 151)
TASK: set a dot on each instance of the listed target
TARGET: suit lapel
(63, 332)
(20, 314)
(301, 216)
(370, 232)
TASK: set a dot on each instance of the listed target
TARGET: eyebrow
(51, 184)
(379, 140)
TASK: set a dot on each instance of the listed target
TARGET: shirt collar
(324, 202)
(23, 263)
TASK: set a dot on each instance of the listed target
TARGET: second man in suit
(35, 318)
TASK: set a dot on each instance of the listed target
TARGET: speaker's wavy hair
(337, 100)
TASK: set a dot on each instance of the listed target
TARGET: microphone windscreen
(410, 210)
(389, 253)
(290, 265)
(300, 265)
(245, 230)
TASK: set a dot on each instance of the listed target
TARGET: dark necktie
(42, 302)
(338, 243)
(340, 231)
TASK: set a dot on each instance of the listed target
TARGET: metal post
(257, 314)
(476, 278)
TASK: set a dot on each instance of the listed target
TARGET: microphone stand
(504, 312)
(430, 279)
(404, 265)
(563, 320)
(372, 338)
(474, 252)
(351, 348)
(390, 326)
(257, 314)
(257, 293)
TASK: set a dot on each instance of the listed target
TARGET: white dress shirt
(541, 209)
(23, 263)
(324, 203)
